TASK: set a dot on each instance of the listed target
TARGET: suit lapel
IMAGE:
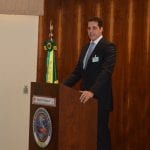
(98, 47)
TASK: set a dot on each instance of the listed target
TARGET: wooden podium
(73, 124)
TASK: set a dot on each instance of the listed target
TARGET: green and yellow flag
(51, 71)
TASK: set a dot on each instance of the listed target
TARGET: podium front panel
(43, 118)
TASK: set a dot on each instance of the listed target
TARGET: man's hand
(85, 96)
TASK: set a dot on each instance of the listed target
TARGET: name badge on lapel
(95, 59)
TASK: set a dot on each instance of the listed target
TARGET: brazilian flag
(51, 71)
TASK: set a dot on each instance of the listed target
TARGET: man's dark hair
(98, 20)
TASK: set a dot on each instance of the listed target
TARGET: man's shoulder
(85, 47)
(105, 43)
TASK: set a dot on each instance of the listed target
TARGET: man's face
(94, 31)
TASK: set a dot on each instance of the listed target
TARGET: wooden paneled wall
(127, 24)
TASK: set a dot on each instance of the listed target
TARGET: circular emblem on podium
(42, 127)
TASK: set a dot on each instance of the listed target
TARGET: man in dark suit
(94, 68)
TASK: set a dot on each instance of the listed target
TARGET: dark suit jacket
(97, 75)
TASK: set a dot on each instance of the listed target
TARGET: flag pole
(51, 28)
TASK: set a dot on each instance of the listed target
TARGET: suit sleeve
(75, 76)
(106, 71)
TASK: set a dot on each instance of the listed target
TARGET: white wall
(18, 59)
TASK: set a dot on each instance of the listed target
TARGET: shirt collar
(97, 40)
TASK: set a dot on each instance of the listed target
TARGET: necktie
(88, 54)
